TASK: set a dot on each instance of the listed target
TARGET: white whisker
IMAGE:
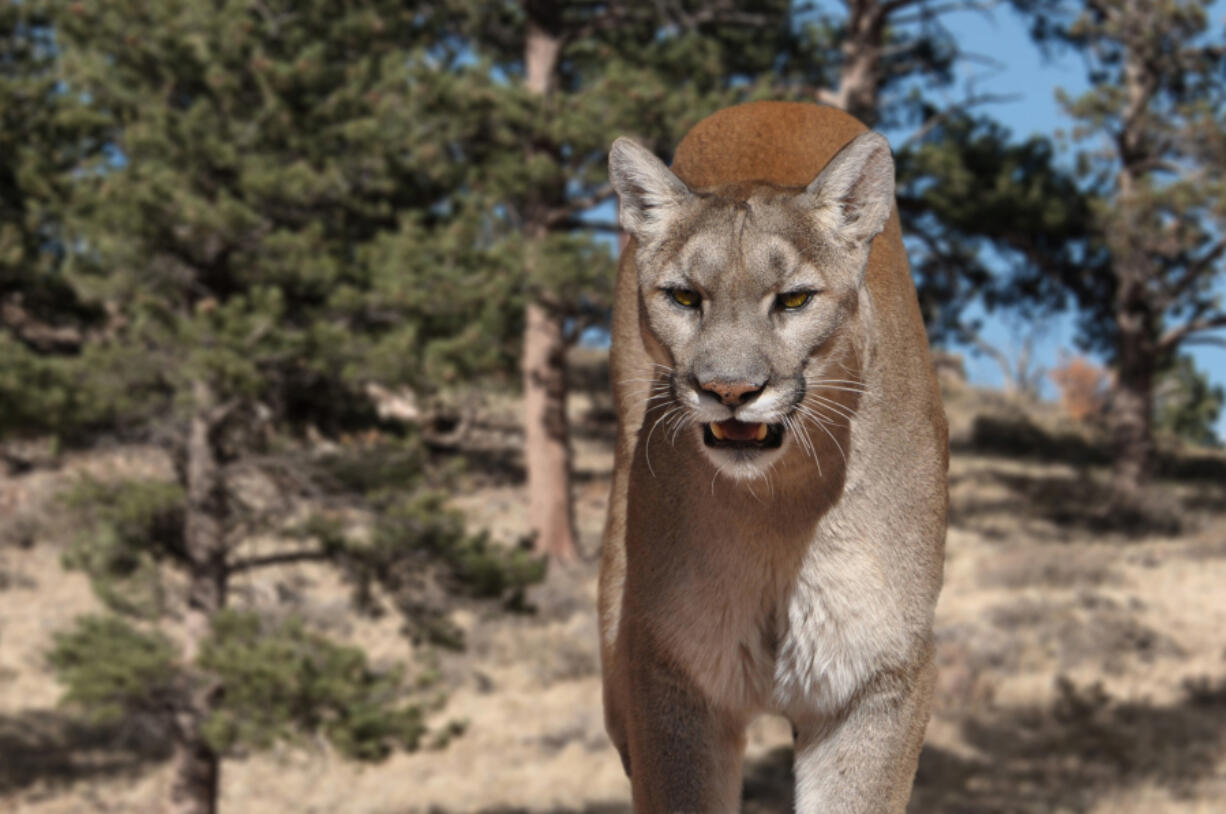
(856, 386)
(848, 384)
(812, 378)
(806, 446)
(647, 443)
(820, 421)
(836, 387)
(817, 411)
(683, 421)
(839, 409)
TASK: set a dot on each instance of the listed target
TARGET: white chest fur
(843, 624)
(809, 641)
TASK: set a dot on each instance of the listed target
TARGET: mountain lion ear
(649, 191)
(854, 193)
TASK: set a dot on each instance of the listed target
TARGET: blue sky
(1032, 79)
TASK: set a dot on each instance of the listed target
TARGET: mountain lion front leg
(863, 762)
(684, 754)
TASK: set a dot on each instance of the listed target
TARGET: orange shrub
(1083, 387)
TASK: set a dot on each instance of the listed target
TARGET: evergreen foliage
(893, 65)
(224, 225)
(128, 528)
(1149, 133)
(1188, 404)
(417, 551)
(44, 133)
(273, 226)
(115, 671)
(973, 198)
(280, 680)
(1152, 139)
(540, 159)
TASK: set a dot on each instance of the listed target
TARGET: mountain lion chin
(742, 450)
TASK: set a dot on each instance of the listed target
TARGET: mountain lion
(777, 523)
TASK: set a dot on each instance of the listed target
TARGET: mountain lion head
(745, 292)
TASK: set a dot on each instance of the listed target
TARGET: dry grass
(1082, 663)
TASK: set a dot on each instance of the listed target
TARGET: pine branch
(929, 13)
(280, 558)
(1172, 338)
(574, 206)
(219, 413)
(720, 12)
(898, 5)
(594, 225)
(1193, 272)
(997, 355)
(934, 121)
(36, 334)
(826, 96)
(617, 15)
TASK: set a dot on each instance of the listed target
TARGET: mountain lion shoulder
(777, 522)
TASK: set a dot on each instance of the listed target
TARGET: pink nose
(732, 393)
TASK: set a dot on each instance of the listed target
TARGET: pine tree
(575, 75)
(44, 133)
(270, 232)
(1152, 130)
(966, 187)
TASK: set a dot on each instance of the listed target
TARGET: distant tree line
(225, 228)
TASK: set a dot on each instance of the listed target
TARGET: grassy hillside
(1082, 662)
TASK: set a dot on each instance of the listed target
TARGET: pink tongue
(739, 430)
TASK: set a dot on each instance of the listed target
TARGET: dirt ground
(1083, 659)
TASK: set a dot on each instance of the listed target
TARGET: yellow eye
(794, 299)
(685, 298)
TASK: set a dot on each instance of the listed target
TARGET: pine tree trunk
(194, 786)
(1135, 321)
(1132, 413)
(546, 439)
(546, 450)
(196, 767)
(862, 49)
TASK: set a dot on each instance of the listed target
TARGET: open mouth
(733, 434)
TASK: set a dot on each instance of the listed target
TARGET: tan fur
(810, 596)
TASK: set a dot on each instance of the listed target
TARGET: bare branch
(998, 356)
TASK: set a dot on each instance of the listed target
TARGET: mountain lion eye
(794, 299)
(685, 298)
